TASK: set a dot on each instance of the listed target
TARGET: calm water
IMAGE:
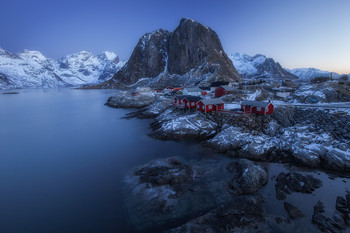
(63, 157)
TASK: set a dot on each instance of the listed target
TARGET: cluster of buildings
(218, 89)
(196, 98)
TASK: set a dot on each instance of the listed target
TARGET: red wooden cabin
(191, 101)
(257, 107)
(223, 90)
(179, 100)
(210, 105)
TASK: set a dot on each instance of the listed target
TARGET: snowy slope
(32, 69)
(307, 74)
(259, 66)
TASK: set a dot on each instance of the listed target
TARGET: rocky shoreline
(306, 137)
(224, 196)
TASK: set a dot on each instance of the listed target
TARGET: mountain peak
(190, 55)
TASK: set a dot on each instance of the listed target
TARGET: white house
(195, 91)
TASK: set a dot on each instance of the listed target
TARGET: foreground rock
(175, 125)
(125, 99)
(340, 220)
(244, 214)
(247, 177)
(241, 144)
(295, 182)
(293, 211)
(170, 190)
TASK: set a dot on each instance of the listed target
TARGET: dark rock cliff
(192, 54)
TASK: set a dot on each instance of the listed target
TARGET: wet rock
(336, 160)
(127, 100)
(171, 190)
(293, 211)
(244, 214)
(247, 177)
(172, 172)
(335, 224)
(295, 182)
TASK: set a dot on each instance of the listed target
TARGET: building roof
(181, 97)
(212, 101)
(255, 103)
(193, 98)
(227, 87)
(205, 88)
(217, 84)
(193, 89)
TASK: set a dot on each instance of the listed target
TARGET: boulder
(247, 177)
(127, 100)
(295, 182)
(336, 160)
(293, 211)
(178, 126)
(244, 214)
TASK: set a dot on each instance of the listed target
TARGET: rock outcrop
(295, 182)
(165, 193)
(341, 217)
(192, 54)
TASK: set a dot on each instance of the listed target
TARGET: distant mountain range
(32, 69)
(259, 66)
(190, 55)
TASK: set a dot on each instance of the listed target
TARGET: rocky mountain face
(307, 74)
(32, 69)
(191, 55)
(259, 66)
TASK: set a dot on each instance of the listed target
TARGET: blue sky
(308, 33)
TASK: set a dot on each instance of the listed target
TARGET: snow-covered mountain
(33, 69)
(308, 74)
(259, 66)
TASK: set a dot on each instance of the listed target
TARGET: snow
(110, 55)
(33, 69)
(254, 95)
(232, 106)
(307, 74)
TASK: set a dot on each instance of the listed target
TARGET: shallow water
(64, 155)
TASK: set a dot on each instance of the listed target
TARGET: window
(258, 109)
(192, 104)
(203, 107)
(210, 106)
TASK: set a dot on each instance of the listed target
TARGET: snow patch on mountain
(259, 66)
(308, 74)
(33, 69)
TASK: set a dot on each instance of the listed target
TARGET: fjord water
(63, 157)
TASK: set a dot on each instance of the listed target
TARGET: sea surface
(64, 156)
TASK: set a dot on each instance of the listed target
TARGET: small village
(207, 99)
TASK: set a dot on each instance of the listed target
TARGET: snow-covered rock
(125, 99)
(259, 66)
(33, 69)
(246, 145)
(174, 125)
(307, 74)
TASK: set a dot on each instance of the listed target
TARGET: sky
(296, 33)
